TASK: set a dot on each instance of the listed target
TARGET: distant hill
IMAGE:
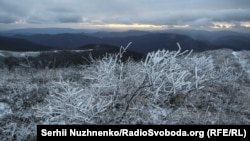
(103, 34)
(65, 58)
(33, 31)
(156, 41)
(142, 41)
(234, 42)
(209, 36)
(15, 44)
(141, 44)
(61, 41)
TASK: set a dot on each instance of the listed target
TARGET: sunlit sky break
(126, 14)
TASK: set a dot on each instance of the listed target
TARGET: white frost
(243, 61)
(4, 109)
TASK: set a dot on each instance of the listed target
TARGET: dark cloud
(202, 22)
(156, 12)
(69, 19)
(7, 20)
(195, 16)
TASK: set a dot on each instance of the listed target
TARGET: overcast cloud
(194, 13)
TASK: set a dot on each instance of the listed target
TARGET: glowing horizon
(136, 26)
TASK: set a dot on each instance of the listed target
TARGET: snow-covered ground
(30, 53)
(18, 54)
(4, 109)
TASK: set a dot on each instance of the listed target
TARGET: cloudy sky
(126, 14)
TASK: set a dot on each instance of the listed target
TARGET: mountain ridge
(18, 44)
(143, 41)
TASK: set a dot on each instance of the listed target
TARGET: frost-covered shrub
(66, 103)
(112, 86)
(226, 74)
(123, 82)
(202, 66)
(121, 88)
(175, 73)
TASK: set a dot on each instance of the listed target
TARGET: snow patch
(4, 109)
(1, 55)
(18, 54)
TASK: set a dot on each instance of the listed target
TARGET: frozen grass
(165, 88)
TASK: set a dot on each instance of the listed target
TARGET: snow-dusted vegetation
(166, 87)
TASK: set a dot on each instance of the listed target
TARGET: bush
(117, 90)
